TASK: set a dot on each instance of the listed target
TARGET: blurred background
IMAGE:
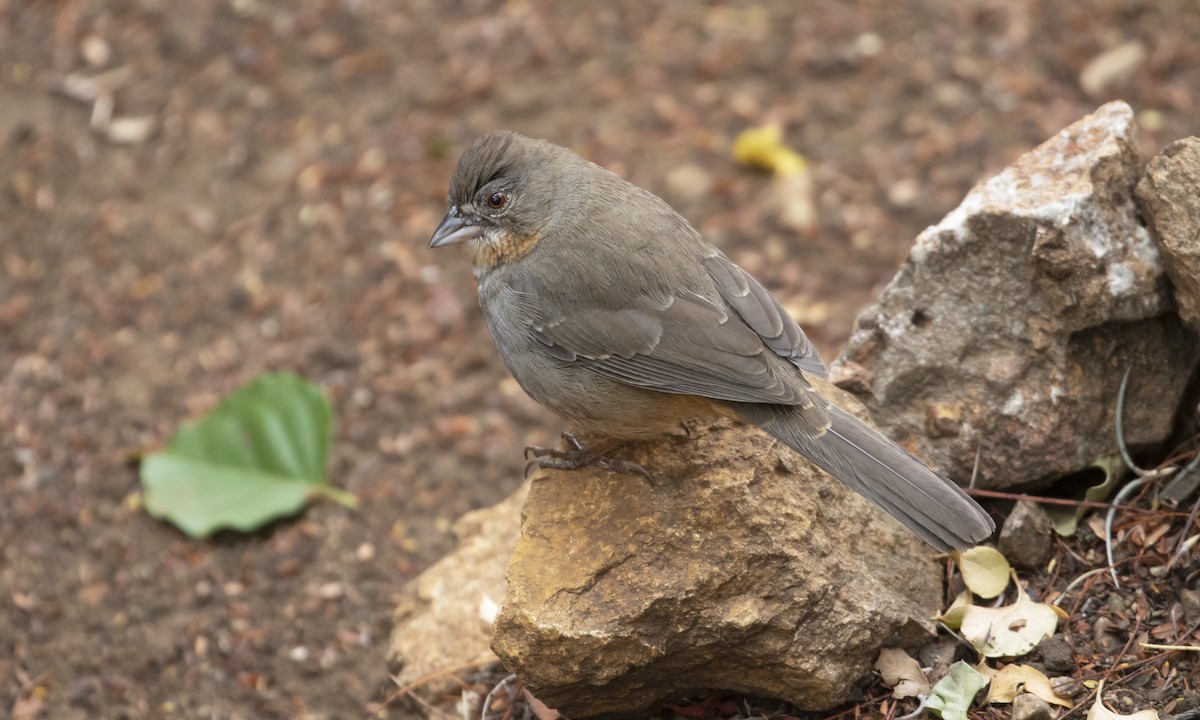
(194, 193)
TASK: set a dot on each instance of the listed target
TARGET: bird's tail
(883, 472)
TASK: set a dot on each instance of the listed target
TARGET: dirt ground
(262, 198)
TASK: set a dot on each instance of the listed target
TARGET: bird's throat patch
(509, 247)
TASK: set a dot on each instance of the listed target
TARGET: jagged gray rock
(1008, 329)
(1025, 537)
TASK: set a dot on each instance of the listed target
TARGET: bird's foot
(578, 456)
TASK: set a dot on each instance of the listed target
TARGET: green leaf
(952, 695)
(1065, 521)
(260, 455)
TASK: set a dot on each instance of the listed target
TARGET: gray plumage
(611, 310)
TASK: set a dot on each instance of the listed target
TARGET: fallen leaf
(1012, 680)
(1066, 521)
(540, 711)
(952, 695)
(258, 456)
(1098, 711)
(953, 616)
(1011, 630)
(28, 708)
(984, 571)
(901, 673)
(1112, 67)
(763, 148)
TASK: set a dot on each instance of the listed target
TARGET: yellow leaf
(984, 570)
(763, 148)
(1065, 521)
(1012, 680)
(953, 616)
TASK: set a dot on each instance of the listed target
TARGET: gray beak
(453, 230)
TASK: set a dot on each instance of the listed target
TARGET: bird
(612, 311)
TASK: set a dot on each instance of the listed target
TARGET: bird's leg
(579, 456)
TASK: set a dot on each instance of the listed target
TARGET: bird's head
(500, 197)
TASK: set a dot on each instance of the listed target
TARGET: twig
(921, 700)
(1112, 513)
(1183, 648)
(1185, 715)
(407, 689)
(1181, 486)
(1059, 501)
(487, 701)
(1125, 456)
(975, 468)
(1129, 463)
(1127, 667)
(1184, 540)
(1090, 574)
(1137, 625)
(958, 636)
(866, 701)
(1071, 585)
(1187, 633)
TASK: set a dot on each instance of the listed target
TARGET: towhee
(610, 310)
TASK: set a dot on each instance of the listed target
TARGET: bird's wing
(764, 315)
(683, 343)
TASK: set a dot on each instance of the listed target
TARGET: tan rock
(741, 567)
(1028, 706)
(1169, 199)
(441, 626)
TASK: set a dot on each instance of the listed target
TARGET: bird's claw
(538, 451)
(578, 456)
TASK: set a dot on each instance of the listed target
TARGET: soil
(261, 200)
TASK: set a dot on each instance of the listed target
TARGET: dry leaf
(1010, 630)
(1065, 521)
(984, 571)
(953, 616)
(540, 711)
(1012, 680)
(763, 148)
(901, 673)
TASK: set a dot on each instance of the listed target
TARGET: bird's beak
(453, 230)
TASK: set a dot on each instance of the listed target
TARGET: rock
(938, 656)
(1028, 706)
(441, 623)
(1190, 600)
(741, 567)
(1010, 325)
(1056, 654)
(1025, 537)
(1167, 196)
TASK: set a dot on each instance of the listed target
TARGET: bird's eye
(497, 200)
